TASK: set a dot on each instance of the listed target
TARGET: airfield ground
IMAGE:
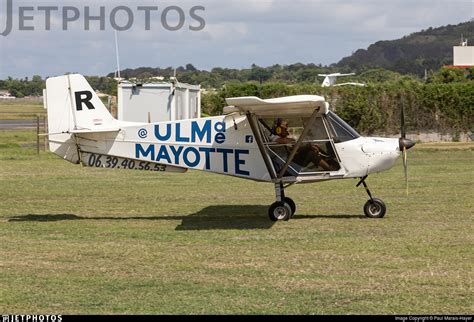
(76, 240)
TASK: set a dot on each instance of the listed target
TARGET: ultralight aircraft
(240, 143)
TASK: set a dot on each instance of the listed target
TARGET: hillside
(428, 49)
(383, 61)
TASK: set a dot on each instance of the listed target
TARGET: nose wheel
(374, 207)
(284, 208)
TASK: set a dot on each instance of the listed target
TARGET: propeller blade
(402, 116)
(405, 167)
(405, 144)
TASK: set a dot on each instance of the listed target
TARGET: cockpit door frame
(263, 150)
(298, 143)
(331, 138)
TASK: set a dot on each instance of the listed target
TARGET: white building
(463, 55)
(156, 102)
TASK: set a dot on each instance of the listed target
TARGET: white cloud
(227, 32)
(237, 34)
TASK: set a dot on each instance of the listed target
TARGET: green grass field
(76, 240)
(20, 109)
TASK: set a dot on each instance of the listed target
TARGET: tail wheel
(279, 211)
(292, 205)
(375, 208)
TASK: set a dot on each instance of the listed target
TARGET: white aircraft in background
(330, 80)
(240, 143)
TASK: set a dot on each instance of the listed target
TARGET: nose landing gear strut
(374, 207)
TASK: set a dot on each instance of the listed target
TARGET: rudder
(73, 106)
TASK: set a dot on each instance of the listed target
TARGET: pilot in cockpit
(307, 153)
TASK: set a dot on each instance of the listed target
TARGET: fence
(36, 125)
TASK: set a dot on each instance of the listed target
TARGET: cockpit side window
(317, 130)
(340, 130)
(314, 152)
(265, 130)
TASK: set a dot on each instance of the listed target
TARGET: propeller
(405, 145)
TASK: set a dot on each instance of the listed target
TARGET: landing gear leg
(284, 208)
(374, 207)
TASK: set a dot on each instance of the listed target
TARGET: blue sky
(237, 33)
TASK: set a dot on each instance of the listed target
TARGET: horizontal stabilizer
(94, 131)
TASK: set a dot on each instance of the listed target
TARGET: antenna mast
(117, 54)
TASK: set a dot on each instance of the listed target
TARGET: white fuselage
(366, 155)
(225, 145)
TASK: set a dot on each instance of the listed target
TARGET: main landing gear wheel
(292, 205)
(279, 211)
(375, 208)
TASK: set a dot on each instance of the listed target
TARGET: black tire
(292, 205)
(279, 211)
(375, 208)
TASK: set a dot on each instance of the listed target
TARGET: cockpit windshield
(340, 130)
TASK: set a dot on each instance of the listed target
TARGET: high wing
(291, 105)
(353, 84)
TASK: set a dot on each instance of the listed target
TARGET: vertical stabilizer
(73, 106)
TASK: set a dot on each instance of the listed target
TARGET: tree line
(295, 74)
(289, 74)
(441, 103)
(25, 87)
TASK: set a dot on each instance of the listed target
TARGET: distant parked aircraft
(331, 79)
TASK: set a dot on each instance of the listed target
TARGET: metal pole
(37, 134)
(117, 54)
(45, 131)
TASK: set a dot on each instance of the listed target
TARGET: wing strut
(261, 147)
(298, 143)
